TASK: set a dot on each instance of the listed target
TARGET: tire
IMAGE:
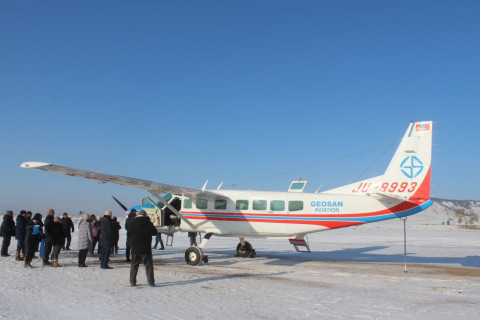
(244, 251)
(193, 256)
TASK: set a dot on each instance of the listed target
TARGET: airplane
(403, 190)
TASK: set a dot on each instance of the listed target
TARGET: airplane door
(153, 211)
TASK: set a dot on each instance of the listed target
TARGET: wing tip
(34, 165)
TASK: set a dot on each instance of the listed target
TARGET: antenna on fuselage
(220, 185)
(316, 191)
(204, 186)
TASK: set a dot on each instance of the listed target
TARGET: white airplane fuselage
(285, 217)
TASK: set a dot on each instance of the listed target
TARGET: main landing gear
(245, 250)
(194, 255)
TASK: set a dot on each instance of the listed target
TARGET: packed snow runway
(352, 273)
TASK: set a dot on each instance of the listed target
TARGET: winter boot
(57, 264)
(27, 264)
(17, 257)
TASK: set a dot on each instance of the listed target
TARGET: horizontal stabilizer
(386, 197)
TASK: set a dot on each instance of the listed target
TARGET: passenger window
(277, 205)
(221, 204)
(241, 205)
(202, 203)
(259, 204)
(187, 203)
(295, 205)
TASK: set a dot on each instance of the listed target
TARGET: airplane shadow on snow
(364, 254)
(368, 254)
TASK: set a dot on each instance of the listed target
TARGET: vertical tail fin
(411, 163)
(408, 174)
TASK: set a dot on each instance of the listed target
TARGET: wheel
(193, 256)
(244, 251)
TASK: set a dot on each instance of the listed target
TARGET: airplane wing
(153, 187)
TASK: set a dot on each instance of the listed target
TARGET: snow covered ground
(352, 273)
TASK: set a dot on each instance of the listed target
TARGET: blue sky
(251, 93)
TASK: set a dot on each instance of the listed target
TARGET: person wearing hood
(140, 233)
(7, 230)
(20, 234)
(33, 236)
(85, 239)
(131, 216)
(107, 239)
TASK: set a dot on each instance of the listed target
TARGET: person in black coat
(48, 238)
(116, 234)
(7, 230)
(131, 215)
(140, 232)
(28, 217)
(20, 234)
(107, 238)
(68, 228)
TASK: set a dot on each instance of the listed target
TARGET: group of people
(30, 231)
(53, 234)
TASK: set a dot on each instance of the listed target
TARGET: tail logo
(411, 167)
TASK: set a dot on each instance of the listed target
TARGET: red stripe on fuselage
(328, 224)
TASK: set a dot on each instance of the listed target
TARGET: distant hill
(444, 209)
